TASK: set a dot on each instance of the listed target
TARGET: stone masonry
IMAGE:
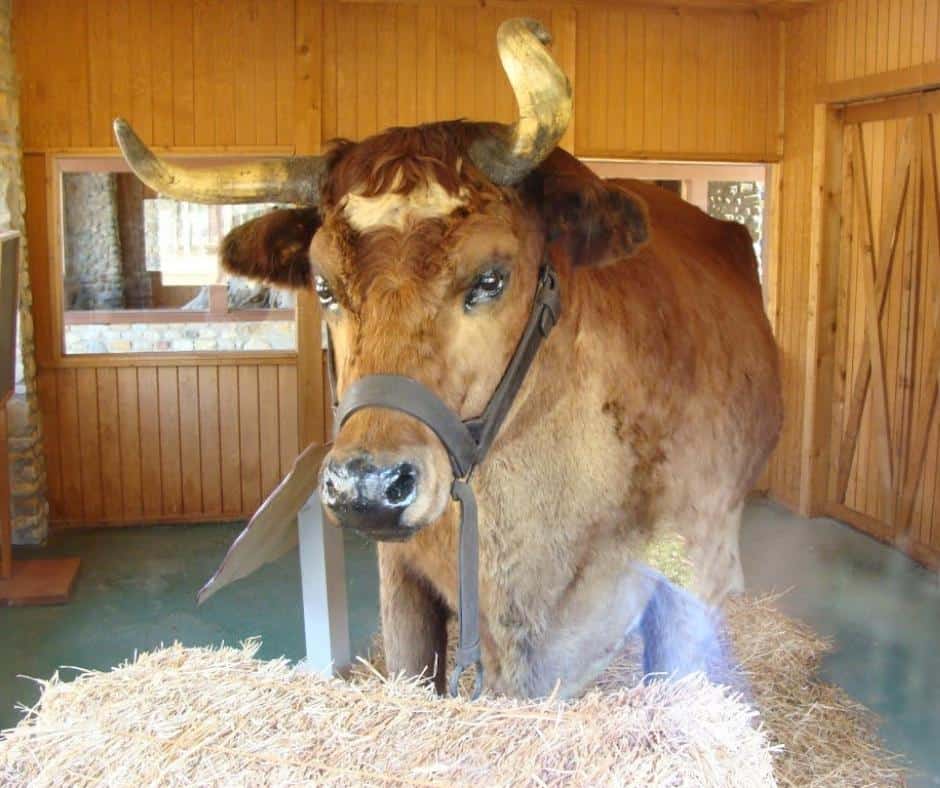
(28, 468)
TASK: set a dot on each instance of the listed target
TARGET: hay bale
(220, 717)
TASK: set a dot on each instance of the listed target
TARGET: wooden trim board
(39, 581)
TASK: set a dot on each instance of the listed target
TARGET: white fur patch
(396, 210)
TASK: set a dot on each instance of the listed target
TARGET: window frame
(59, 162)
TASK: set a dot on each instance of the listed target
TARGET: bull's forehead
(428, 200)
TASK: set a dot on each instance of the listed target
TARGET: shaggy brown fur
(648, 413)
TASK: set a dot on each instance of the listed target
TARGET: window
(140, 273)
(733, 192)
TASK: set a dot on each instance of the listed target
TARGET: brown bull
(649, 412)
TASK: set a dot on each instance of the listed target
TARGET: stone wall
(28, 469)
(181, 337)
(93, 267)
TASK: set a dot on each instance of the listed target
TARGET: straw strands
(197, 716)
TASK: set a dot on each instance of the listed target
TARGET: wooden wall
(249, 76)
(839, 48)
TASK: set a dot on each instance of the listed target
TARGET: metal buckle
(459, 670)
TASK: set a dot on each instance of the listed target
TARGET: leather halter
(466, 442)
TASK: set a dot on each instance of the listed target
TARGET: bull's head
(424, 246)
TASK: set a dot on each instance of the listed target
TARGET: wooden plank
(39, 581)
(139, 50)
(99, 75)
(71, 444)
(672, 79)
(445, 71)
(128, 409)
(308, 79)
(249, 437)
(288, 433)
(244, 56)
(224, 47)
(886, 258)
(109, 432)
(426, 65)
(204, 31)
(269, 429)
(162, 65)
(75, 24)
(653, 96)
(210, 459)
(364, 20)
(118, 45)
(190, 440)
(150, 449)
(825, 224)
(184, 73)
(230, 441)
(264, 32)
(86, 387)
(47, 394)
(407, 42)
(873, 327)
(169, 420)
(6, 516)
(57, 67)
(931, 379)
(283, 13)
(924, 76)
(597, 83)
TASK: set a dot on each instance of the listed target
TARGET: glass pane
(141, 273)
(742, 202)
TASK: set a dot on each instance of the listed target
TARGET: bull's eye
(488, 287)
(324, 293)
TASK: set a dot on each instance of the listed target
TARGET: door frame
(817, 492)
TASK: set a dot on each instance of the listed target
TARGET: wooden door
(885, 459)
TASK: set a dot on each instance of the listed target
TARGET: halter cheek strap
(466, 442)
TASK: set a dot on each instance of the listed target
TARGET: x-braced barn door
(885, 459)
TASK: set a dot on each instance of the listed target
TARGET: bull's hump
(425, 201)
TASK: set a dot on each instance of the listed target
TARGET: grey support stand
(323, 580)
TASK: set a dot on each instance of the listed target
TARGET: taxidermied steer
(649, 411)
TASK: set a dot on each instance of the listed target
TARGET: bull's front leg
(414, 621)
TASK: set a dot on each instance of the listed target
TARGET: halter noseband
(466, 442)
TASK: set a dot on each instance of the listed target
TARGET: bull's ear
(587, 219)
(273, 248)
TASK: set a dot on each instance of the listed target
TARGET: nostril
(403, 486)
(330, 488)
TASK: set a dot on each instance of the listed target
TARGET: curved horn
(287, 180)
(543, 94)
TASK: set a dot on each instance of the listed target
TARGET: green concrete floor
(136, 590)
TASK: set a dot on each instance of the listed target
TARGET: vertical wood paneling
(109, 432)
(169, 421)
(269, 429)
(848, 39)
(148, 403)
(184, 83)
(69, 442)
(190, 441)
(86, 395)
(129, 416)
(47, 393)
(287, 416)
(249, 437)
(230, 440)
(210, 457)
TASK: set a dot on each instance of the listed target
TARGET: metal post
(323, 581)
